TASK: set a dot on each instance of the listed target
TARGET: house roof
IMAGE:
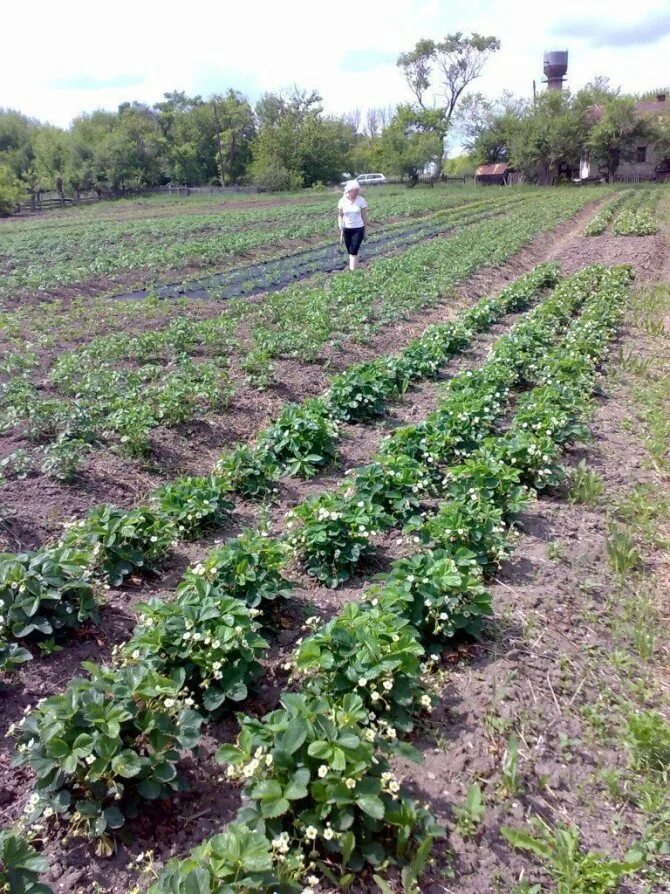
(492, 170)
(654, 107)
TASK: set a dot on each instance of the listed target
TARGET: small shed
(492, 174)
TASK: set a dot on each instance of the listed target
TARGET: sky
(74, 56)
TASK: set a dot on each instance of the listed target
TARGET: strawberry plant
(12, 656)
(213, 640)
(394, 485)
(247, 568)
(44, 592)
(473, 525)
(238, 861)
(302, 439)
(194, 503)
(374, 652)
(250, 471)
(121, 541)
(107, 743)
(536, 455)
(360, 393)
(484, 476)
(21, 865)
(440, 593)
(313, 771)
(334, 533)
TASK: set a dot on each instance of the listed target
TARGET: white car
(370, 179)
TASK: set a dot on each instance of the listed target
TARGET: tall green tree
(410, 143)
(616, 133)
(445, 69)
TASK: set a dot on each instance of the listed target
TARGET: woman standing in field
(352, 219)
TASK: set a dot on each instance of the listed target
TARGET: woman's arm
(364, 215)
(339, 218)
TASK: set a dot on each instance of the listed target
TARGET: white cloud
(201, 47)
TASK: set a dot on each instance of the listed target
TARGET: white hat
(351, 184)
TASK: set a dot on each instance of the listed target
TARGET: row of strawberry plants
(637, 217)
(604, 218)
(43, 592)
(318, 792)
(295, 322)
(100, 403)
(113, 739)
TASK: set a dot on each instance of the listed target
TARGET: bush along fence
(44, 593)
(318, 794)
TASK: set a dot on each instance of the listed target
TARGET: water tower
(555, 68)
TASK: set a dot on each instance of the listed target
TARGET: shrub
(473, 525)
(107, 743)
(194, 503)
(395, 485)
(360, 393)
(10, 190)
(213, 640)
(314, 774)
(121, 540)
(44, 592)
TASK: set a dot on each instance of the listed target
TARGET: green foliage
(193, 504)
(394, 485)
(21, 865)
(64, 457)
(315, 775)
(334, 533)
(438, 592)
(361, 392)
(573, 870)
(251, 471)
(211, 639)
(302, 439)
(107, 743)
(121, 541)
(247, 568)
(239, 860)
(372, 651)
(42, 593)
(10, 190)
(586, 485)
(473, 525)
(470, 814)
(648, 738)
(622, 552)
(640, 222)
(12, 656)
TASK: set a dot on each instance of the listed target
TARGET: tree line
(284, 141)
(549, 135)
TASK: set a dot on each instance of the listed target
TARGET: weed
(586, 486)
(622, 552)
(471, 813)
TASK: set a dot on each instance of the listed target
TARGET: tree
(10, 190)
(51, 151)
(551, 136)
(616, 134)
(453, 63)
(234, 128)
(409, 144)
(16, 136)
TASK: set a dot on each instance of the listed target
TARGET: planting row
(161, 384)
(605, 216)
(318, 794)
(128, 752)
(44, 592)
(274, 274)
(45, 254)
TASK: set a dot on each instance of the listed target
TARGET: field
(367, 572)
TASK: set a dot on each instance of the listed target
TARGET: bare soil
(530, 673)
